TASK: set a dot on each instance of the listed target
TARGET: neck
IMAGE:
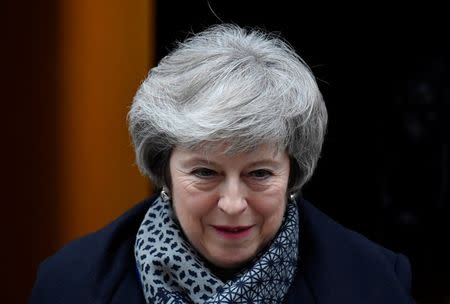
(224, 274)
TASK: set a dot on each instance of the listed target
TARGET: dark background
(385, 76)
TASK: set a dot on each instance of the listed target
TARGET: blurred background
(384, 73)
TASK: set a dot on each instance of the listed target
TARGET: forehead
(221, 152)
(232, 147)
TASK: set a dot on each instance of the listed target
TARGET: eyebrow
(199, 161)
(191, 161)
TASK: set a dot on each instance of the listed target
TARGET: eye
(261, 174)
(204, 173)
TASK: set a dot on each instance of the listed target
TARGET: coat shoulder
(339, 263)
(81, 272)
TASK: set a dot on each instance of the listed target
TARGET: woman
(230, 126)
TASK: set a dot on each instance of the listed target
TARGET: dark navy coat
(336, 265)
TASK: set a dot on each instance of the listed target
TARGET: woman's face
(229, 206)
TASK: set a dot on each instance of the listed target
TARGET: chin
(231, 262)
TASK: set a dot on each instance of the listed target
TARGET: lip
(233, 232)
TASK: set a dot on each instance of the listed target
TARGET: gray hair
(244, 87)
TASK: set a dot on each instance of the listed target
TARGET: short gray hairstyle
(241, 86)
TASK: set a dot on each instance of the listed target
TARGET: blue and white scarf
(171, 270)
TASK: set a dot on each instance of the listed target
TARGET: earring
(292, 197)
(164, 195)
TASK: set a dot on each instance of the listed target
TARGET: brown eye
(204, 173)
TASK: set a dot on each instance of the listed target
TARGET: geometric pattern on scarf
(172, 272)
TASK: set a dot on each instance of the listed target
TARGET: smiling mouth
(233, 231)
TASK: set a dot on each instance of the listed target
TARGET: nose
(232, 199)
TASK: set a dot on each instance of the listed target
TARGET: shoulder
(341, 263)
(322, 230)
(88, 267)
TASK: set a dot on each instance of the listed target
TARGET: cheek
(191, 200)
(273, 213)
(273, 200)
(272, 224)
(271, 208)
(191, 206)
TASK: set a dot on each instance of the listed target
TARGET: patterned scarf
(171, 271)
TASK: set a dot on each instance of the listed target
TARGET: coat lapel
(341, 266)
